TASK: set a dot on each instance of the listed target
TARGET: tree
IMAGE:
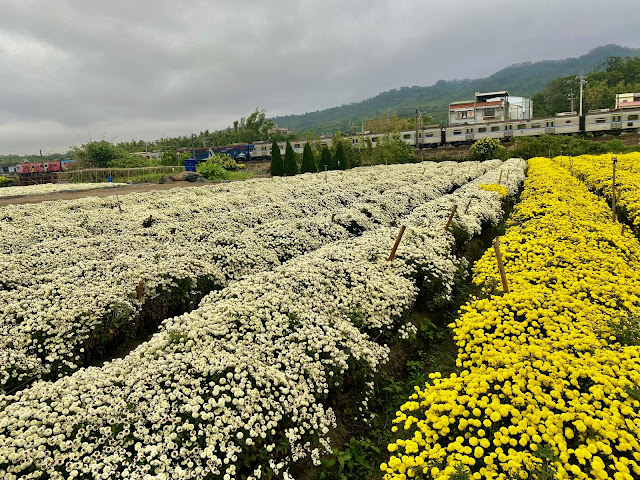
(340, 158)
(326, 160)
(100, 154)
(393, 150)
(487, 149)
(308, 161)
(277, 163)
(290, 164)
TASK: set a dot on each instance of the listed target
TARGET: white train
(433, 136)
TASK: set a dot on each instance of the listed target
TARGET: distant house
(283, 131)
(628, 100)
(490, 107)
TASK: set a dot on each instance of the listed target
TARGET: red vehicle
(39, 167)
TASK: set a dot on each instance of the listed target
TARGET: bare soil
(97, 192)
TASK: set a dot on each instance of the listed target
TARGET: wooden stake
(503, 275)
(139, 290)
(453, 212)
(333, 216)
(395, 246)
(622, 232)
(468, 203)
(500, 179)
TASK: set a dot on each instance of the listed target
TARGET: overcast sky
(71, 71)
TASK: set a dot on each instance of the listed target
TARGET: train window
(495, 129)
(469, 130)
(482, 129)
(457, 132)
(617, 118)
(600, 120)
(568, 121)
(535, 125)
(406, 136)
(428, 134)
(633, 117)
(297, 145)
(522, 126)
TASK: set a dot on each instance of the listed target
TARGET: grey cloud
(138, 69)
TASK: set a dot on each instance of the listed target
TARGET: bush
(4, 181)
(488, 149)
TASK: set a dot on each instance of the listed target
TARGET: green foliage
(615, 75)
(528, 147)
(487, 149)
(357, 461)
(130, 161)
(626, 330)
(308, 160)
(393, 150)
(171, 157)
(277, 162)
(211, 170)
(290, 163)
(104, 154)
(340, 158)
(325, 159)
(4, 181)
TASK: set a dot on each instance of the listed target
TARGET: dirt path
(98, 192)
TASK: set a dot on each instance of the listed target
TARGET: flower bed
(597, 171)
(549, 381)
(243, 385)
(68, 287)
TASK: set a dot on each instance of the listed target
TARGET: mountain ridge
(523, 79)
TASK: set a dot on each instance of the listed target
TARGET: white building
(490, 107)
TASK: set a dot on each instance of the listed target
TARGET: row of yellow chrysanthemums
(543, 382)
(597, 173)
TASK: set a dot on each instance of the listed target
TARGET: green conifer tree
(277, 163)
(325, 159)
(308, 162)
(290, 164)
(340, 158)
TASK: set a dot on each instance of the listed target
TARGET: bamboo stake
(333, 216)
(622, 232)
(453, 212)
(500, 179)
(503, 275)
(117, 199)
(139, 290)
(395, 246)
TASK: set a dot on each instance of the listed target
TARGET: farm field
(70, 285)
(263, 302)
(49, 188)
(549, 373)
(298, 300)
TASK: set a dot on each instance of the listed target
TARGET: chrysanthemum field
(267, 303)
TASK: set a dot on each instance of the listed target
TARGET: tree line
(317, 157)
(615, 75)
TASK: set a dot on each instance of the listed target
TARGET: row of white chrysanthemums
(69, 270)
(8, 192)
(244, 383)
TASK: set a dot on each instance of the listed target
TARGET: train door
(468, 134)
(508, 130)
(616, 122)
(550, 127)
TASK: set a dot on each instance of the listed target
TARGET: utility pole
(571, 98)
(193, 152)
(417, 116)
(582, 82)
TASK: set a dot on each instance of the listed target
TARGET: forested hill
(522, 79)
